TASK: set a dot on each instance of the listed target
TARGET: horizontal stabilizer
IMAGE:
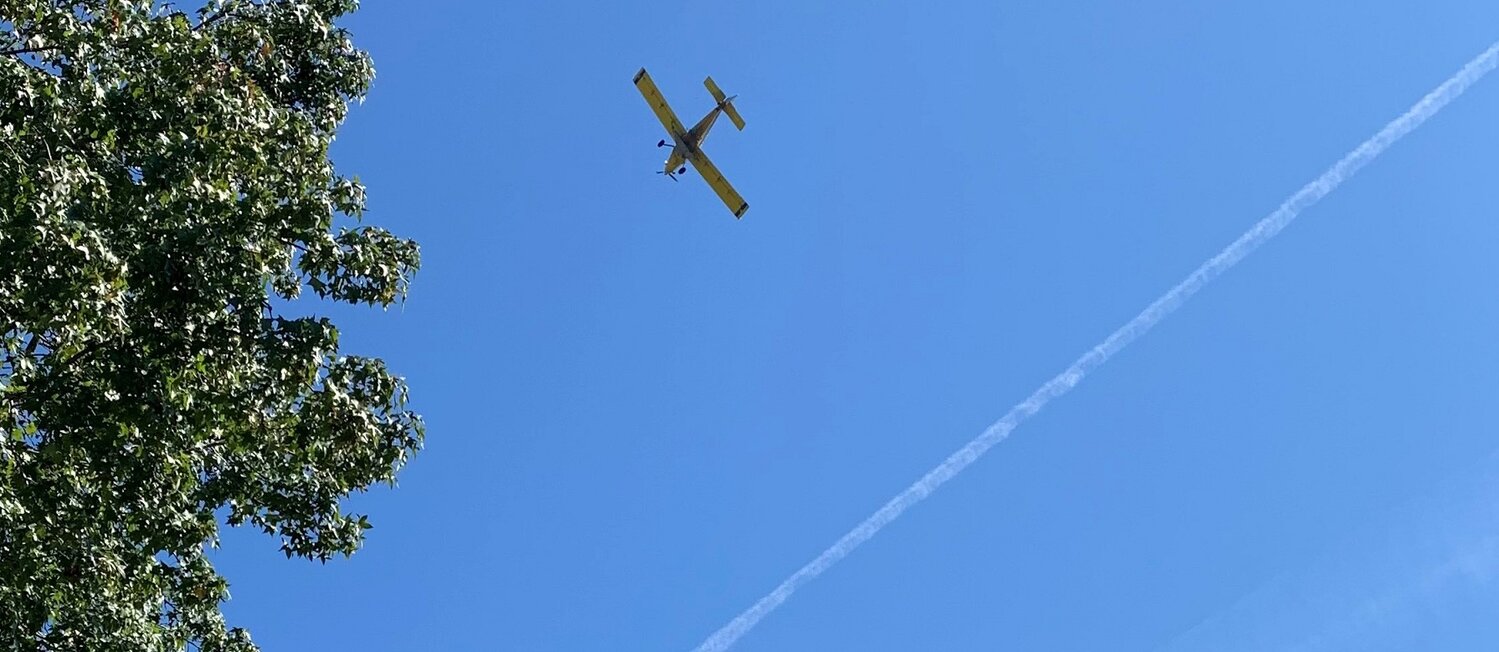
(733, 114)
(726, 102)
(713, 88)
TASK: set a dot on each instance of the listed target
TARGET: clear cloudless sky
(643, 414)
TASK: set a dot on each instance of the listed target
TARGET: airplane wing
(658, 104)
(720, 185)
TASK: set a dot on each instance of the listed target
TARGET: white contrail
(1267, 228)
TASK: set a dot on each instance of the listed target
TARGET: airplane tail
(726, 102)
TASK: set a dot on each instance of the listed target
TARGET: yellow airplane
(686, 144)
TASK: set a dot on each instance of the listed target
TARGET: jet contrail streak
(1267, 228)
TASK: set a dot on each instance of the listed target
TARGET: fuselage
(687, 144)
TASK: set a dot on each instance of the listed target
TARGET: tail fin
(726, 102)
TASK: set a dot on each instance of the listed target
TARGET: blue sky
(643, 414)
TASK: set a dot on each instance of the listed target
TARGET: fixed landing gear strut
(669, 173)
(673, 175)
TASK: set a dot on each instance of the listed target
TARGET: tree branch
(36, 338)
(216, 17)
(32, 50)
(81, 354)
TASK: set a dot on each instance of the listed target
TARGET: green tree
(164, 176)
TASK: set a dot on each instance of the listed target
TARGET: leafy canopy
(164, 176)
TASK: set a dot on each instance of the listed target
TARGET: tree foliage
(164, 176)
